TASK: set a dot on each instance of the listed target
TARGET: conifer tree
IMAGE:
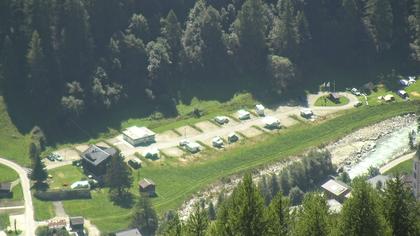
(198, 222)
(39, 173)
(313, 218)
(118, 177)
(279, 216)
(361, 214)
(400, 208)
(144, 216)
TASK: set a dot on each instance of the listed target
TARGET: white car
(217, 142)
(355, 92)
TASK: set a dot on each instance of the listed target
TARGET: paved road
(395, 162)
(29, 210)
(282, 113)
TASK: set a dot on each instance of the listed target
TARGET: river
(387, 148)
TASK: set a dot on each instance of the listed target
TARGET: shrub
(63, 195)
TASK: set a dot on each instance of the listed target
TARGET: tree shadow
(126, 200)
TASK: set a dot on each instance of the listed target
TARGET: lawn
(7, 174)
(13, 144)
(405, 167)
(324, 101)
(176, 182)
(414, 90)
(65, 176)
(44, 210)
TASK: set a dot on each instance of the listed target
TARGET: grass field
(13, 145)
(405, 167)
(176, 182)
(324, 101)
(64, 176)
(44, 210)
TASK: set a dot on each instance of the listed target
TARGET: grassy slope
(4, 221)
(405, 167)
(324, 101)
(13, 145)
(43, 210)
(176, 183)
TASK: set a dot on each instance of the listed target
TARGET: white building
(416, 177)
(138, 135)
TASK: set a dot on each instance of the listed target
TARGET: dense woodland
(65, 61)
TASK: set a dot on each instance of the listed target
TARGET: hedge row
(63, 195)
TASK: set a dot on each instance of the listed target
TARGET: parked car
(135, 163)
(233, 137)
(355, 91)
(217, 142)
(51, 157)
(58, 157)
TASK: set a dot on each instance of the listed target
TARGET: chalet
(77, 223)
(95, 159)
(335, 189)
(139, 136)
(129, 232)
(147, 186)
(334, 97)
(6, 190)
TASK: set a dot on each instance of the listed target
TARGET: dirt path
(396, 162)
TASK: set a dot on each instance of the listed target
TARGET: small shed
(243, 115)
(148, 187)
(129, 232)
(259, 109)
(77, 223)
(6, 189)
(334, 97)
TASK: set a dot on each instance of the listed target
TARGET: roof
(6, 186)
(77, 220)
(135, 132)
(269, 120)
(379, 178)
(96, 155)
(144, 183)
(129, 232)
(335, 187)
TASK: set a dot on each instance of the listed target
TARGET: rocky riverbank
(356, 146)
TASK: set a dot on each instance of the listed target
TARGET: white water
(387, 149)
